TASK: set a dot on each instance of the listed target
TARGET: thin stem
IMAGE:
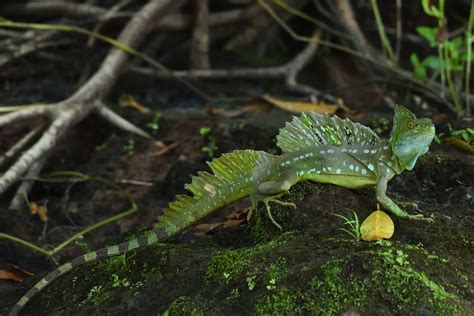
(133, 208)
(398, 44)
(117, 44)
(467, 79)
(26, 243)
(451, 88)
(408, 76)
(387, 47)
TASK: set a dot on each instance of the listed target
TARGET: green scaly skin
(315, 147)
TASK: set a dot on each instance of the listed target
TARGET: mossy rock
(309, 268)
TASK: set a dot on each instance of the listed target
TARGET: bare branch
(200, 39)
(22, 192)
(87, 98)
(120, 122)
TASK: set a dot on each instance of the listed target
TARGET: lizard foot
(420, 217)
(275, 199)
(266, 201)
(413, 205)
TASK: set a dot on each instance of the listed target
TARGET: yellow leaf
(461, 144)
(304, 106)
(43, 214)
(377, 226)
(33, 208)
(127, 101)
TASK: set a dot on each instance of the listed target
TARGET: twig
(106, 16)
(200, 39)
(56, 8)
(88, 98)
(19, 198)
(252, 30)
(299, 62)
(289, 71)
(136, 182)
(171, 22)
(398, 44)
(15, 149)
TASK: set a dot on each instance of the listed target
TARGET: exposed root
(120, 122)
(88, 98)
(200, 41)
(288, 71)
(15, 149)
(22, 192)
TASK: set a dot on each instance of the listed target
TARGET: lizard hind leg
(272, 191)
(265, 199)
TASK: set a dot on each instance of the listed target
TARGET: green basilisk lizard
(316, 147)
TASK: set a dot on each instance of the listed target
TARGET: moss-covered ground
(310, 268)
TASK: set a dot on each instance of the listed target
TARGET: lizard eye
(411, 125)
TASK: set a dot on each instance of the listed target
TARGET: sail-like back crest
(315, 130)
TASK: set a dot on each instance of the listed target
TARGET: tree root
(87, 99)
(288, 71)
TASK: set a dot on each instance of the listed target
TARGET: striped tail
(148, 239)
(231, 180)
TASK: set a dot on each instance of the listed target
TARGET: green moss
(331, 294)
(280, 302)
(259, 232)
(228, 265)
(277, 271)
(393, 271)
(183, 305)
(328, 295)
(96, 296)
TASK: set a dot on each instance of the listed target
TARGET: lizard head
(410, 137)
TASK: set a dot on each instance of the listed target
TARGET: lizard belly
(343, 180)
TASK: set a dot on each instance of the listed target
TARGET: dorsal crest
(315, 130)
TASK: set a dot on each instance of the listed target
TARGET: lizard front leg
(386, 202)
(272, 191)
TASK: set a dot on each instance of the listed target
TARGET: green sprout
(129, 147)
(353, 223)
(154, 124)
(251, 282)
(211, 145)
(466, 134)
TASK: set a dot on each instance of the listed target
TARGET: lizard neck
(388, 158)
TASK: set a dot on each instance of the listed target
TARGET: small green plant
(251, 282)
(353, 223)
(204, 131)
(453, 56)
(381, 125)
(129, 147)
(154, 124)
(466, 134)
(101, 148)
(211, 146)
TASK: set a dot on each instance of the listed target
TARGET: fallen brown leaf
(14, 273)
(203, 229)
(232, 220)
(163, 148)
(230, 113)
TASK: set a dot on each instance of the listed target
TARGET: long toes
(420, 217)
(286, 203)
